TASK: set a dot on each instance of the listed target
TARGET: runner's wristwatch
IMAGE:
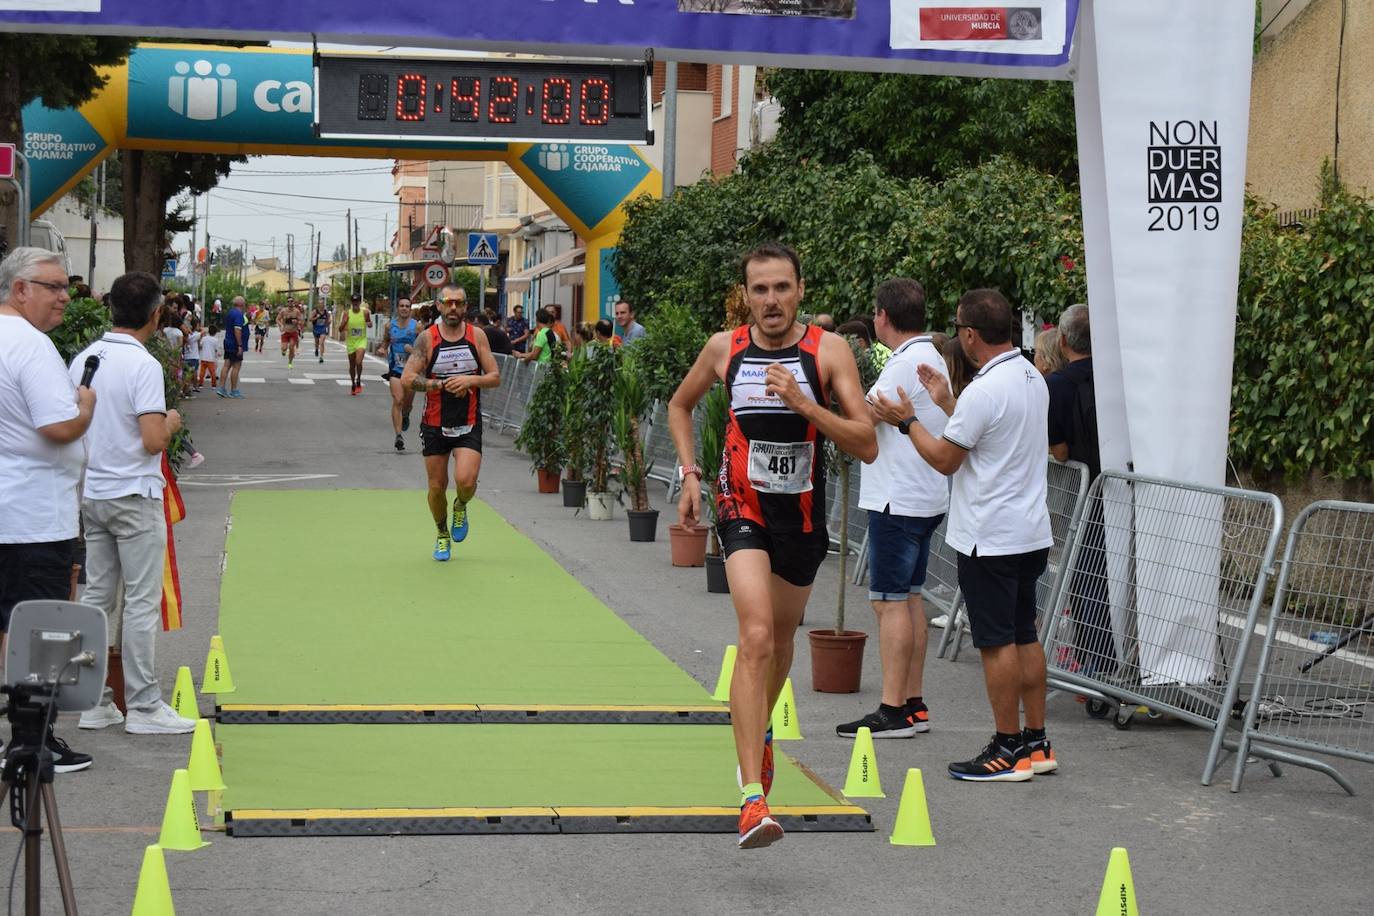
(904, 427)
(684, 469)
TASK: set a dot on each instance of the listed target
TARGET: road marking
(240, 480)
(253, 381)
(301, 381)
(343, 381)
(325, 377)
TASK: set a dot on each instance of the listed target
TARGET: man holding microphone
(42, 419)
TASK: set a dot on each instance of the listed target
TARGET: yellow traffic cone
(184, 695)
(217, 678)
(784, 719)
(1118, 890)
(727, 670)
(154, 895)
(913, 818)
(863, 781)
(180, 825)
(203, 766)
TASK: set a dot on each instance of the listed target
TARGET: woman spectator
(1048, 357)
(961, 371)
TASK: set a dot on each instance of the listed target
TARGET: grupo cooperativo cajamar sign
(950, 36)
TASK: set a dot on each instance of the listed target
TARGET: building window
(503, 194)
(727, 90)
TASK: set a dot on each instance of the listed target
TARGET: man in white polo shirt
(42, 419)
(994, 445)
(121, 506)
(906, 500)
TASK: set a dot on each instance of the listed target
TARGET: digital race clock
(375, 97)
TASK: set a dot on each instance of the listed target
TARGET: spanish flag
(174, 510)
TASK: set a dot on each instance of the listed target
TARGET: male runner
(780, 377)
(319, 323)
(353, 332)
(449, 363)
(261, 319)
(289, 321)
(397, 342)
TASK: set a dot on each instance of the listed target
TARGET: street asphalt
(1286, 845)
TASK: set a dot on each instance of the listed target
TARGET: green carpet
(332, 597)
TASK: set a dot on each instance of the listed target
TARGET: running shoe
(400, 443)
(757, 828)
(64, 759)
(290, 364)
(882, 724)
(1041, 754)
(321, 359)
(236, 393)
(221, 392)
(442, 547)
(918, 715)
(996, 763)
(405, 423)
(353, 391)
(460, 521)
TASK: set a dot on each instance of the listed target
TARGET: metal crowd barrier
(494, 402)
(658, 448)
(1313, 689)
(1066, 493)
(858, 518)
(1163, 587)
(523, 380)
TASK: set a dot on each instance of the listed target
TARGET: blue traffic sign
(169, 268)
(483, 249)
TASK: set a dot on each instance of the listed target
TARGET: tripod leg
(59, 850)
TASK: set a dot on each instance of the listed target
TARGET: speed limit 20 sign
(436, 274)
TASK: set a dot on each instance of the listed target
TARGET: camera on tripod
(55, 660)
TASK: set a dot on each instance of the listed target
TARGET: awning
(572, 276)
(519, 281)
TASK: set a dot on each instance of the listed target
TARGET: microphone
(92, 364)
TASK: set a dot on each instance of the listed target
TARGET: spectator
(583, 333)
(906, 500)
(42, 419)
(235, 345)
(518, 329)
(210, 352)
(961, 371)
(559, 328)
(825, 322)
(858, 330)
(629, 329)
(121, 502)
(994, 447)
(605, 333)
(542, 348)
(1048, 358)
(496, 338)
(190, 359)
(1073, 437)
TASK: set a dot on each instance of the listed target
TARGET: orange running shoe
(1041, 754)
(757, 828)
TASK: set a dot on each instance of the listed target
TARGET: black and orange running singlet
(773, 467)
(455, 415)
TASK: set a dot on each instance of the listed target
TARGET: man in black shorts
(450, 363)
(780, 377)
(999, 522)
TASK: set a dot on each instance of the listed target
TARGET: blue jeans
(898, 551)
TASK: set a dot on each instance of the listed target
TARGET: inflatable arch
(211, 99)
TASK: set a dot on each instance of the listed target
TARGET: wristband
(685, 469)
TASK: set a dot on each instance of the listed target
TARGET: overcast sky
(268, 198)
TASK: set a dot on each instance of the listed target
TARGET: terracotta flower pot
(548, 481)
(688, 544)
(836, 660)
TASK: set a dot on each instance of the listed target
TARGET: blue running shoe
(236, 393)
(442, 546)
(460, 521)
(221, 392)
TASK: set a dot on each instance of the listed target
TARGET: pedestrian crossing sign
(483, 249)
(169, 268)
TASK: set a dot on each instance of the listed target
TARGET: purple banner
(826, 34)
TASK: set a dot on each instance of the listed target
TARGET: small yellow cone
(863, 781)
(1118, 890)
(784, 719)
(727, 671)
(203, 766)
(913, 818)
(154, 895)
(217, 678)
(180, 825)
(184, 695)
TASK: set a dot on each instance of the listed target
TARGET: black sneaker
(883, 724)
(405, 423)
(1041, 754)
(64, 759)
(997, 763)
(400, 443)
(917, 715)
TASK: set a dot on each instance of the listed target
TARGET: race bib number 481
(781, 467)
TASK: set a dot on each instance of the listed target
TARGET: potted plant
(837, 654)
(715, 412)
(574, 443)
(592, 417)
(541, 436)
(631, 405)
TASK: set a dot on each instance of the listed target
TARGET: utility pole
(362, 287)
(243, 266)
(348, 246)
(314, 287)
(290, 264)
(314, 268)
(96, 185)
(205, 278)
(669, 128)
(191, 254)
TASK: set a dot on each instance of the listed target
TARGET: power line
(356, 200)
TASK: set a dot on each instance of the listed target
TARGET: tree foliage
(926, 126)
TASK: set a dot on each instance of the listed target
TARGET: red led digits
(596, 97)
(410, 97)
(557, 100)
(466, 101)
(505, 96)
